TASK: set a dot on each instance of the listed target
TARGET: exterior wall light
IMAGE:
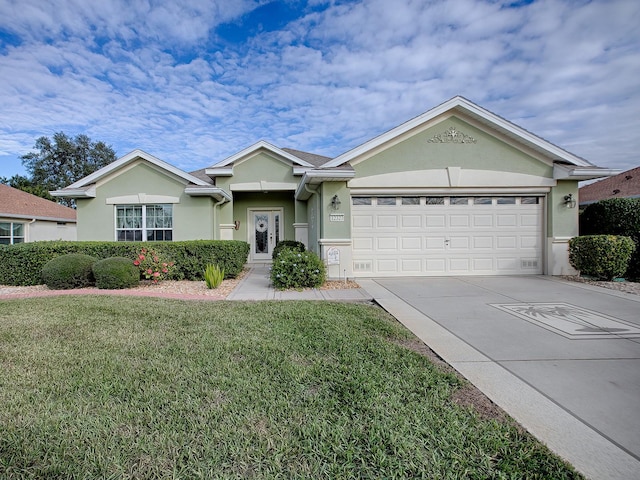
(335, 202)
(569, 202)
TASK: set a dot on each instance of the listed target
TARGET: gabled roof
(15, 203)
(125, 160)
(623, 185)
(467, 108)
(225, 167)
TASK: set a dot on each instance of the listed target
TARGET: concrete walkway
(256, 285)
(562, 358)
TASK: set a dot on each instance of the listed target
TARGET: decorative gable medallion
(452, 136)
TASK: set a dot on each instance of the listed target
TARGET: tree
(26, 185)
(65, 160)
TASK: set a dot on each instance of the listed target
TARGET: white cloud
(156, 75)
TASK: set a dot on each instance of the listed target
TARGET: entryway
(265, 231)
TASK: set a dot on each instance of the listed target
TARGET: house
(27, 218)
(623, 185)
(457, 190)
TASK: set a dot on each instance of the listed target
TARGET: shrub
(289, 244)
(116, 273)
(69, 271)
(213, 276)
(616, 216)
(604, 257)
(22, 264)
(293, 269)
(153, 266)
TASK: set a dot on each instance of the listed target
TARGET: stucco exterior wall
(43, 230)
(192, 216)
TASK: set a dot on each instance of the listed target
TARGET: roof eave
(316, 177)
(570, 172)
(68, 192)
(214, 192)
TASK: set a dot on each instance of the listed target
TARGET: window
(11, 233)
(386, 200)
(506, 201)
(482, 200)
(361, 200)
(529, 201)
(459, 201)
(435, 200)
(138, 223)
(410, 200)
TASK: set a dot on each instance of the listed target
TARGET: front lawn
(119, 387)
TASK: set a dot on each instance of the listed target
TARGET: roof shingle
(16, 203)
(623, 185)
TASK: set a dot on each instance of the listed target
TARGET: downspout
(28, 230)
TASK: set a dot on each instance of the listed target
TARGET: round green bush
(289, 245)
(604, 257)
(116, 273)
(69, 271)
(293, 269)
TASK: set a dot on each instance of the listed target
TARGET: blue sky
(193, 82)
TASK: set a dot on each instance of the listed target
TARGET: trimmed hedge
(69, 271)
(616, 216)
(288, 244)
(22, 264)
(294, 269)
(116, 273)
(604, 257)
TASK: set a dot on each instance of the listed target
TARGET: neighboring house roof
(567, 165)
(15, 203)
(623, 185)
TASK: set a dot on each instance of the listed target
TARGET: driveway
(562, 358)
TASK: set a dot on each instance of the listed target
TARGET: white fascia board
(213, 192)
(130, 157)
(219, 172)
(37, 217)
(254, 149)
(462, 105)
(75, 192)
(569, 172)
(316, 177)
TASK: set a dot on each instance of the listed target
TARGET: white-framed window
(11, 233)
(144, 223)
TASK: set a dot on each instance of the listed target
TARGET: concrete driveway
(563, 358)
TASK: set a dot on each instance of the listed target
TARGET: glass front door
(265, 233)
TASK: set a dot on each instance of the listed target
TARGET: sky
(193, 81)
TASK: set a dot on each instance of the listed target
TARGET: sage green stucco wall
(334, 229)
(488, 153)
(262, 167)
(192, 216)
(562, 221)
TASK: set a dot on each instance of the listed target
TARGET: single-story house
(457, 190)
(28, 218)
(623, 185)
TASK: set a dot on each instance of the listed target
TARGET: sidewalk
(256, 285)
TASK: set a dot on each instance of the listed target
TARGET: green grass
(116, 387)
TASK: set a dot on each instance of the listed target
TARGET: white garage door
(446, 235)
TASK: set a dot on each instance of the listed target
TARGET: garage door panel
(435, 221)
(459, 221)
(442, 239)
(387, 243)
(411, 221)
(362, 221)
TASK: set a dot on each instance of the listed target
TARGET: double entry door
(265, 231)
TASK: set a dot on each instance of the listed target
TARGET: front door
(265, 231)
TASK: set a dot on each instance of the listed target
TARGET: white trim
(141, 198)
(335, 241)
(84, 192)
(214, 192)
(126, 159)
(10, 217)
(316, 177)
(461, 104)
(493, 191)
(251, 151)
(561, 172)
(262, 186)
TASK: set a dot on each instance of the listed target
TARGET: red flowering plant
(152, 266)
